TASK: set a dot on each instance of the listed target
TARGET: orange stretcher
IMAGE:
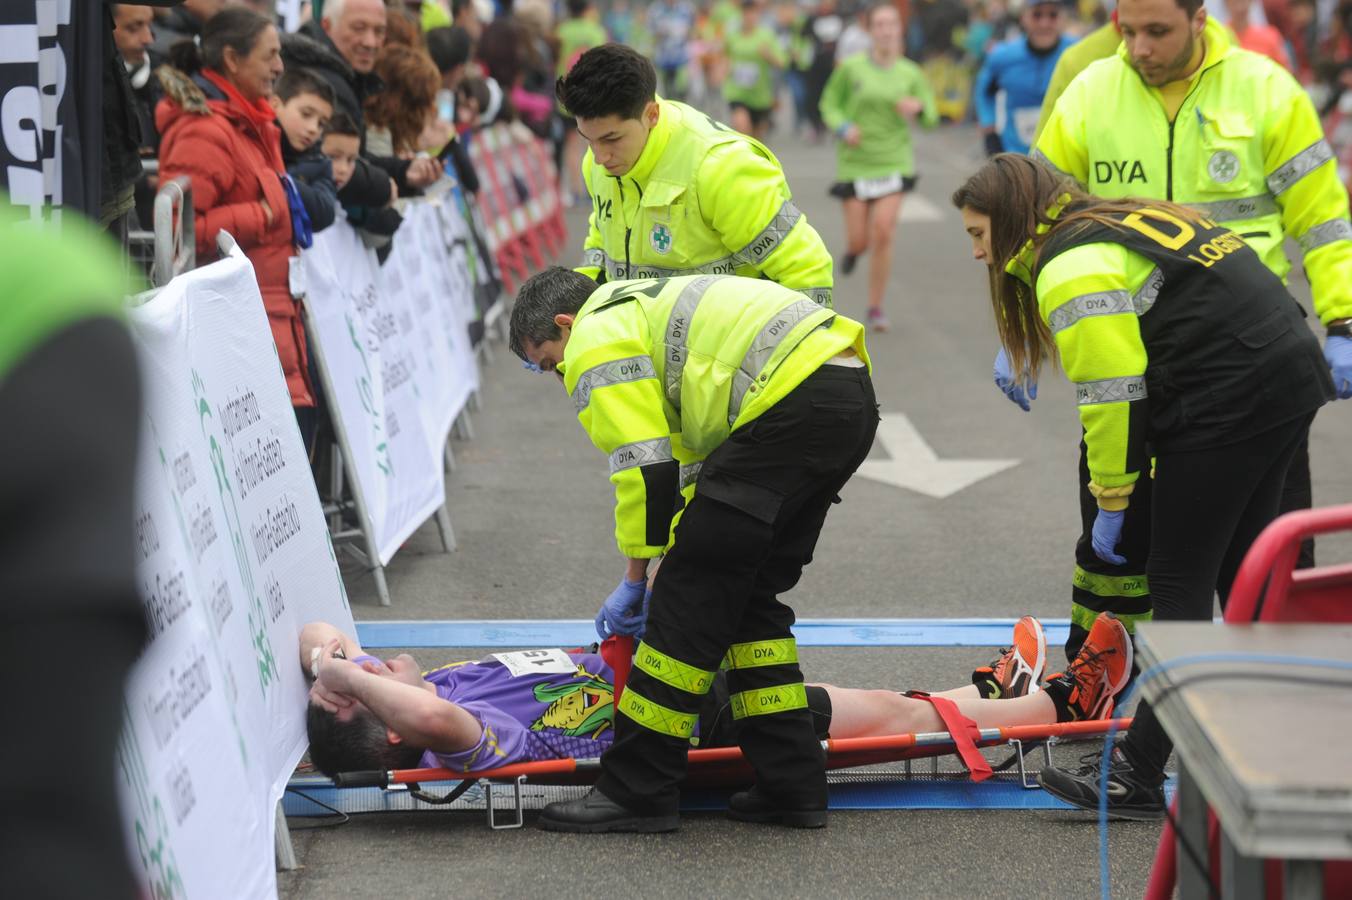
(725, 767)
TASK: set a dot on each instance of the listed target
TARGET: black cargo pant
(1210, 506)
(1124, 590)
(760, 504)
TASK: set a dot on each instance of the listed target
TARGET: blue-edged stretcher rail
(510, 633)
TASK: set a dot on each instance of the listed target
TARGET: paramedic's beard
(1157, 75)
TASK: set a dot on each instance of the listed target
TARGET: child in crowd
(304, 105)
(342, 146)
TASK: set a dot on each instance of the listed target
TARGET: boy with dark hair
(342, 146)
(304, 104)
(674, 192)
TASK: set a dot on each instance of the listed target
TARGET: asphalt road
(532, 512)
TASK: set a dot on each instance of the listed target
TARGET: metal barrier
(171, 247)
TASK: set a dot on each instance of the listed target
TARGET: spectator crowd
(369, 103)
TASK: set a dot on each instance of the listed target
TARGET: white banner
(234, 558)
(418, 286)
(364, 338)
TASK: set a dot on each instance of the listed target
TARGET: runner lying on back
(366, 713)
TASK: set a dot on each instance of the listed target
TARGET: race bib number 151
(536, 662)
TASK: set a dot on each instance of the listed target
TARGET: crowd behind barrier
(235, 545)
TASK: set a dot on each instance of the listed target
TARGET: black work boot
(753, 806)
(597, 813)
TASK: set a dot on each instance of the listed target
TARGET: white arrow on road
(914, 465)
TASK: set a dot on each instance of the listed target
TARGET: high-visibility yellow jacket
(701, 199)
(663, 370)
(1181, 315)
(1245, 148)
(1098, 44)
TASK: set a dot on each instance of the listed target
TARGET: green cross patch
(660, 238)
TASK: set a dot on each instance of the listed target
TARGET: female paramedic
(1183, 347)
(871, 102)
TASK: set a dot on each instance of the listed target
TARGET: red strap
(964, 732)
(618, 652)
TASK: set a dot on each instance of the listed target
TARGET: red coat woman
(218, 129)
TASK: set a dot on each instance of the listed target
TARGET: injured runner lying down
(366, 713)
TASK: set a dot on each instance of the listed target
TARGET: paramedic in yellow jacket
(733, 411)
(1181, 344)
(675, 193)
(1198, 121)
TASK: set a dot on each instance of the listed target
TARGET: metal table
(1272, 758)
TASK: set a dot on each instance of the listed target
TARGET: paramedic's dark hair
(543, 296)
(342, 123)
(609, 80)
(295, 82)
(577, 7)
(355, 745)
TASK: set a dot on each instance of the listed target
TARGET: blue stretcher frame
(509, 633)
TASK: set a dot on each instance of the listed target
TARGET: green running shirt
(862, 93)
(751, 79)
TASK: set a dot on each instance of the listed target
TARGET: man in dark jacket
(343, 47)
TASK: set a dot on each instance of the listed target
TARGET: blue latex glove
(624, 610)
(1004, 380)
(531, 367)
(1338, 352)
(1107, 532)
(643, 626)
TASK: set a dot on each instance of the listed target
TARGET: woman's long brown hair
(409, 98)
(1023, 198)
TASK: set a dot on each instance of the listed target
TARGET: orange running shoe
(1019, 668)
(1100, 671)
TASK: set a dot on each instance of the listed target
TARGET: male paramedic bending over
(675, 193)
(750, 406)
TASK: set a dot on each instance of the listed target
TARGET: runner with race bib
(755, 59)
(870, 102)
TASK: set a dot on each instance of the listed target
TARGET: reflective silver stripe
(1110, 390)
(678, 332)
(595, 256)
(1300, 165)
(640, 453)
(616, 270)
(1325, 233)
(1239, 208)
(762, 348)
(690, 474)
(771, 236)
(634, 368)
(1041, 157)
(820, 296)
(1099, 303)
(1148, 292)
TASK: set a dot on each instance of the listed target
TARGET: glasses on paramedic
(535, 367)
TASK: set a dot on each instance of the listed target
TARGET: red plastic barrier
(1269, 588)
(523, 232)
